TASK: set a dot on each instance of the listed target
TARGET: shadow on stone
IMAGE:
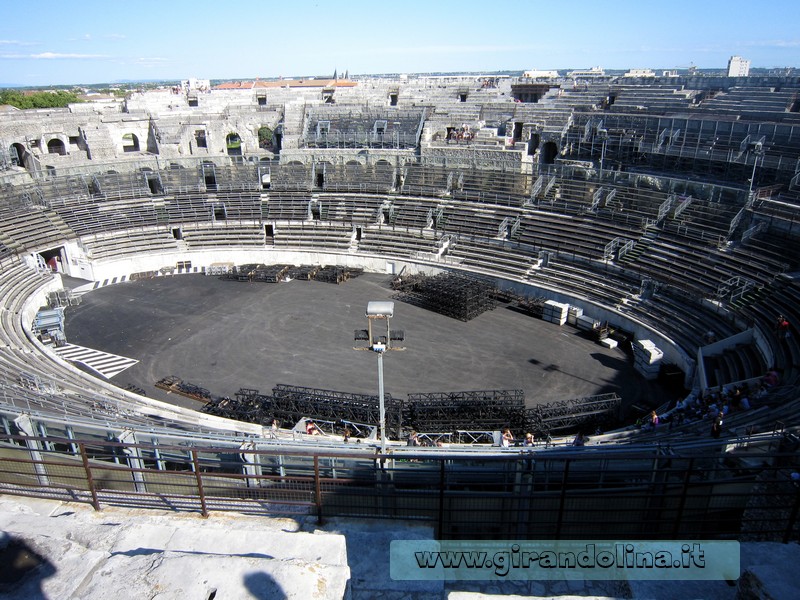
(22, 567)
(262, 585)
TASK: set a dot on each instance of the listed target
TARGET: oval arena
(662, 210)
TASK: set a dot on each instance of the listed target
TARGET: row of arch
(268, 138)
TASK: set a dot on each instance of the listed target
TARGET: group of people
(414, 440)
(463, 133)
(712, 406)
(507, 439)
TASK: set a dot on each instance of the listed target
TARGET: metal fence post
(787, 534)
(199, 477)
(89, 477)
(681, 505)
(563, 498)
(317, 490)
(440, 523)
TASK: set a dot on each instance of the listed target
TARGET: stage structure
(572, 414)
(289, 404)
(471, 410)
(280, 273)
(452, 295)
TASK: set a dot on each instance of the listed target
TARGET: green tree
(265, 135)
(21, 100)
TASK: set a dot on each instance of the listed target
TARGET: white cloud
(150, 61)
(53, 56)
(454, 49)
(774, 43)
(16, 43)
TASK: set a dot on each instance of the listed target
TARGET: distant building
(535, 74)
(738, 67)
(201, 85)
(640, 73)
(593, 72)
(669, 73)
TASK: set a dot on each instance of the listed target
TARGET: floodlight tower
(380, 344)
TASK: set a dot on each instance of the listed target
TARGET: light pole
(379, 311)
(603, 134)
(758, 151)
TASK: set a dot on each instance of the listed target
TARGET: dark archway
(549, 153)
(19, 155)
(54, 258)
(234, 144)
(319, 174)
(130, 143)
(56, 146)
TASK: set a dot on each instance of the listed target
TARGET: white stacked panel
(587, 323)
(647, 358)
(555, 312)
(573, 314)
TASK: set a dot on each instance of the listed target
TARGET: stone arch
(56, 146)
(233, 143)
(130, 142)
(19, 154)
(549, 152)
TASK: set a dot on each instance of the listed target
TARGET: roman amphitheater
(654, 219)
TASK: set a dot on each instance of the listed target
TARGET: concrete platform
(224, 335)
(146, 554)
(128, 553)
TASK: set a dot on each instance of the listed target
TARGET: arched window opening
(56, 146)
(17, 154)
(234, 144)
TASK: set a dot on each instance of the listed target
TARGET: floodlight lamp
(383, 308)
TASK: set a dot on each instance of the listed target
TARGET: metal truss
(291, 403)
(471, 410)
(571, 414)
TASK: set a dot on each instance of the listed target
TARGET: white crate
(609, 343)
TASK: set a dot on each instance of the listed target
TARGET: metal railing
(735, 490)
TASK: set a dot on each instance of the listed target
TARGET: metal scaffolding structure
(572, 414)
(289, 404)
(452, 295)
(469, 410)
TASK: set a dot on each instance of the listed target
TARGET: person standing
(508, 437)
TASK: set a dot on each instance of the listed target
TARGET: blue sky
(64, 42)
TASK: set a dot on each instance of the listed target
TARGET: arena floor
(226, 335)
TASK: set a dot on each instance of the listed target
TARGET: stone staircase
(293, 124)
(640, 247)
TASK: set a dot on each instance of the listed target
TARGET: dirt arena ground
(226, 335)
